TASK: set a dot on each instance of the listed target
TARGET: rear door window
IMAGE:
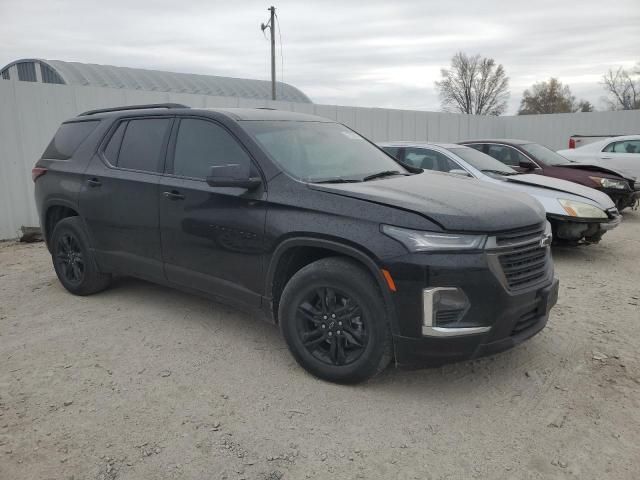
(68, 138)
(142, 144)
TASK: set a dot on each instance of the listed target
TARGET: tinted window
(201, 145)
(113, 147)
(482, 162)
(393, 151)
(320, 151)
(142, 144)
(543, 154)
(506, 155)
(68, 138)
(428, 159)
(628, 146)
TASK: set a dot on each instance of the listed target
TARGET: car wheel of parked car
(73, 261)
(334, 321)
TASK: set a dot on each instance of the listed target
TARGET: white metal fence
(30, 113)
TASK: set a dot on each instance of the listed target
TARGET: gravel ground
(143, 382)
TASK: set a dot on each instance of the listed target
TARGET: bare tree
(473, 85)
(623, 88)
(550, 97)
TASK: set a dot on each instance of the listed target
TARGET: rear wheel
(73, 261)
(334, 321)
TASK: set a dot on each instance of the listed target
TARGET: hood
(610, 172)
(564, 186)
(453, 202)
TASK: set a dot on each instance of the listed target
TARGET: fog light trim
(452, 332)
(431, 330)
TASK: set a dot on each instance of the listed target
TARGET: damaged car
(529, 157)
(577, 214)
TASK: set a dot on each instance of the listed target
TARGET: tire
(350, 347)
(73, 260)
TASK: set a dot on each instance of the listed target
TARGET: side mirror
(232, 175)
(461, 172)
(527, 164)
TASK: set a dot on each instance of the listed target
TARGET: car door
(623, 155)
(119, 199)
(212, 237)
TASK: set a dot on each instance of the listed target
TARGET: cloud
(378, 53)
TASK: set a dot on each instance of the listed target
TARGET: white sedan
(619, 153)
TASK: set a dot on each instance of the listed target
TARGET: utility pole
(271, 26)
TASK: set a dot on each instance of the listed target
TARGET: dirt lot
(142, 382)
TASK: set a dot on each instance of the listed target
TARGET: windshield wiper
(386, 173)
(500, 172)
(337, 180)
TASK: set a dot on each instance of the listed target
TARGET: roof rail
(133, 107)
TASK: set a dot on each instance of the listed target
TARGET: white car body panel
(593, 153)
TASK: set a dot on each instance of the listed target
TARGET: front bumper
(574, 229)
(524, 317)
(450, 307)
(622, 198)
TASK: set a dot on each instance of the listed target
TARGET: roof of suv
(233, 113)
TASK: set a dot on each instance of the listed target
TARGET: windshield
(321, 151)
(482, 162)
(543, 154)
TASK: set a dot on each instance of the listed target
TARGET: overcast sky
(367, 53)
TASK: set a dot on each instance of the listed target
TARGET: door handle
(606, 157)
(94, 182)
(173, 195)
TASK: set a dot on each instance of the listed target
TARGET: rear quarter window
(68, 138)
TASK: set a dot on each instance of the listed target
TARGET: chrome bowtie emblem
(545, 241)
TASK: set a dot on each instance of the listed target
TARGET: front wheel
(334, 321)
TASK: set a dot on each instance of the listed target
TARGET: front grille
(519, 235)
(523, 260)
(525, 322)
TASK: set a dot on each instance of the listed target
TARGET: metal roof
(89, 74)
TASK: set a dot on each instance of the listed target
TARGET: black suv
(358, 258)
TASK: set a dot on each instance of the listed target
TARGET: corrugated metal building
(89, 74)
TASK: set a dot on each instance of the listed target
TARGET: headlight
(610, 183)
(419, 241)
(579, 209)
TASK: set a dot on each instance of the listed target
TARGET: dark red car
(530, 157)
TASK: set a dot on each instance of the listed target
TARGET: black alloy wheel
(332, 327)
(73, 259)
(69, 258)
(333, 317)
